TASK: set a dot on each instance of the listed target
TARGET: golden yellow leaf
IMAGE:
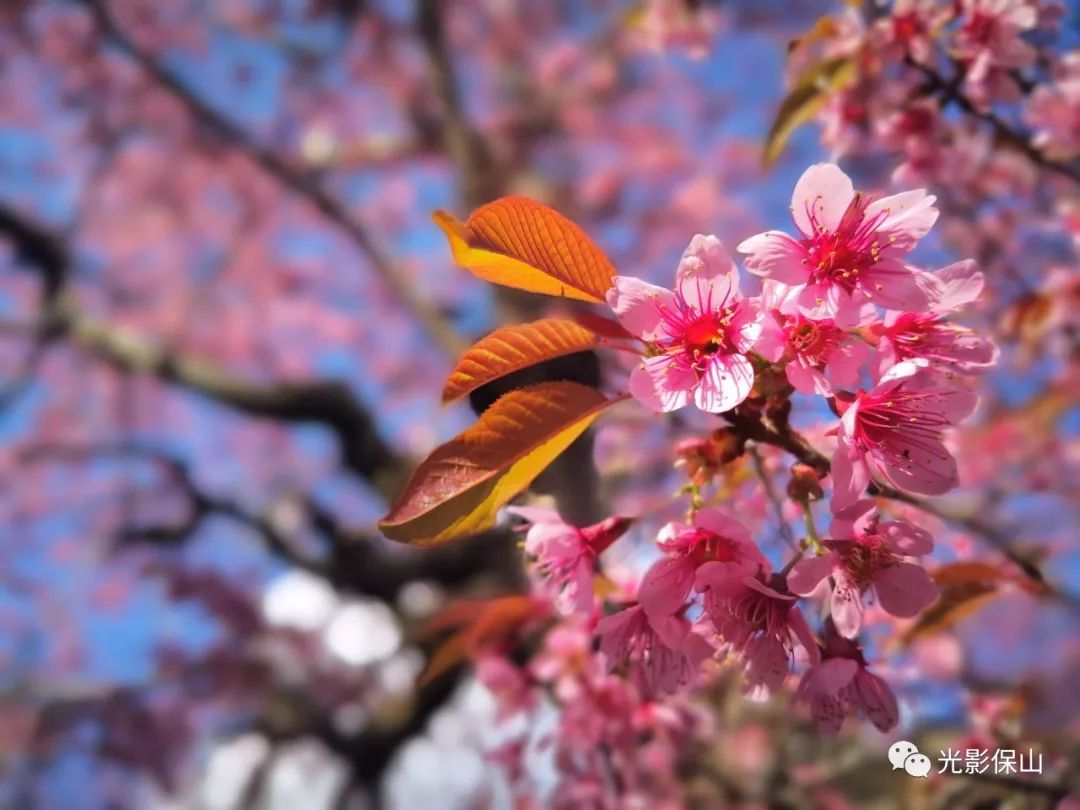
(805, 99)
(458, 489)
(520, 243)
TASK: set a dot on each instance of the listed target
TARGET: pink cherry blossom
(662, 653)
(894, 432)
(566, 555)
(864, 555)
(819, 355)
(757, 618)
(714, 536)
(1054, 111)
(990, 42)
(696, 337)
(850, 250)
(930, 336)
(842, 685)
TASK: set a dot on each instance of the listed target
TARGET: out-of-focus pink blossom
(990, 43)
(850, 250)
(663, 653)
(863, 555)
(697, 336)
(758, 619)
(894, 432)
(713, 537)
(1054, 111)
(930, 336)
(566, 555)
(841, 685)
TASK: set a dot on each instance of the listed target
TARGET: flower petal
(727, 382)
(662, 383)
(638, 305)
(908, 217)
(821, 196)
(775, 255)
(807, 574)
(706, 277)
(905, 589)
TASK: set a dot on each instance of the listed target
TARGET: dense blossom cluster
(841, 313)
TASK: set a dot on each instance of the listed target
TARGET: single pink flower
(851, 248)
(818, 356)
(842, 685)
(696, 337)
(662, 653)
(894, 432)
(990, 41)
(930, 336)
(757, 618)
(713, 537)
(869, 555)
(566, 555)
(1054, 110)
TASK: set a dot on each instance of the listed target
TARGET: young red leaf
(458, 489)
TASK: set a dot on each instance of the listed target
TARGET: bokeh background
(225, 319)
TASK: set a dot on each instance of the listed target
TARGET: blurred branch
(759, 427)
(297, 181)
(326, 402)
(950, 90)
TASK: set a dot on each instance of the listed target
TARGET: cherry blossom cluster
(842, 314)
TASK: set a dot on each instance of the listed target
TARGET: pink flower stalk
(663, 653)
(566, 555)
(713, 537)
(842, 685)
(948, 346)
(894, 432)
(819, 356)
(696, 337)
(869, 555)
(851, 248)
(757, 618)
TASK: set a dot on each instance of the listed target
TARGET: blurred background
(225, 320)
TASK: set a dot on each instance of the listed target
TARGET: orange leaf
(518, 242)
(965, 587)
(458, 489)
(481, 623)
(515, 347)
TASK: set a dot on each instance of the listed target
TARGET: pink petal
(746, 324)
(724, 525)
(907, 538)
(877, 700)
(727, 382)
(706, 277)
(833, 675)
(908, 218)
(666, 585)
(894, 285)
(807, 574)
(844, 363)
(662, 383)
(775, 255)
(850, 476)
(807, 380)
(846, 607)
(772, 341)
(905, 589)
(801, 630)
(926, 468)
(767, 665)
(671, 630)
(638, 306)
(824, 191)
(958, 284)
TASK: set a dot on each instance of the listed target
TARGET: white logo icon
(917, 765)
(899, 751)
